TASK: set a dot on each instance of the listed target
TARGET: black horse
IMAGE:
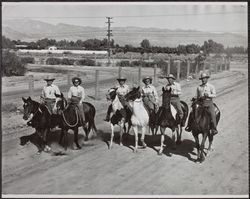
(121, 114)
(167, 119)
(69, 118)
(40, 118)
(201, 124)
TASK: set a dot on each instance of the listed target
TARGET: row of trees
(208, 47)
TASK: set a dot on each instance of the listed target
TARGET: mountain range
(32, 30)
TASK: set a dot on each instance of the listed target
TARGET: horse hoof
(121, 144)
(159, 152)
(135, 150)
(38, 153)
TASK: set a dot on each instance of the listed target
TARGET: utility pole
(109, 35)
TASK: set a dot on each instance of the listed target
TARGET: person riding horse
(175, 96)
(121, 90)
(149, 95)
(205, 93)
(76, 95)
(48, 96)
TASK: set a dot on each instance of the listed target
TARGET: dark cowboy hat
(204, 75)
(49, 78)
(76, 79)
(170, 76)
(121, 79)
(147, 77)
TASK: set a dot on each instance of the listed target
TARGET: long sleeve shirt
(122, 90)
(150, 90)
(77, 91)
(206, 88)
(175, 88)
(50, 91)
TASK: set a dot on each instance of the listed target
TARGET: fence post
(228, 63)
(119, 71)
(69, 80)
(139, 74)
(196, 68)
(204, 66)
(155, 76)
(31, 85)
(188, 68)
(178, 69)
(96, 84)
(169, 65)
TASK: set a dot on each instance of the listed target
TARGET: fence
(180, 69)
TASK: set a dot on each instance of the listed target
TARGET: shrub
(66, 61)
(26, 60)
(123, 63)
(53, 61)
(135, 63)
(12, 65)
(86, 62)
(9, 107)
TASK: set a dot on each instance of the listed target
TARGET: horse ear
(24, 100)
(163, 89)
(62, 95)
(138, 88)
(29, 98)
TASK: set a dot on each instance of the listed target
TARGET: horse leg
(76, 138)
(47, 148)
(162, 129)
(112, 135)
(197, 146)
(64, 134)
(122, 126)
(86, 130)
(135, 128)
(179, 132)
(173, 137)
(156, 129)
(210, 139)
(203, 146)
(143, 137)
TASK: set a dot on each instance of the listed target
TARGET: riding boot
(213, 130)
(188, 127)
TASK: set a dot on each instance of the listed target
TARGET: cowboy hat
(76, 79)
(121, 79)
(204, 75)
(49, 78)
(170, 76)
(147, 77)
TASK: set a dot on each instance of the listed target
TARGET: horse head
(61, 103)
(166, 95)
(134, 94)
(111, 94)
(29, 107)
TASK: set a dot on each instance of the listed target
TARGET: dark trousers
(175, 101)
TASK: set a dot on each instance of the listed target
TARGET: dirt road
(97, 170)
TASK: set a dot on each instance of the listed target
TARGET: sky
(208, 16)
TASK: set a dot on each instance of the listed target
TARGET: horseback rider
(76, 95)
(48, 96)
(121, 90)
(149, 95)
(206, 92)
(175, 95)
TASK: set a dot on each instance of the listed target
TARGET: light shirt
(150, 90)
(206, 88)
(175, 88)
(122, 90)
(77, 91)
(50, 91)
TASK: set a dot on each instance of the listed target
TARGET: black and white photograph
(124, 99)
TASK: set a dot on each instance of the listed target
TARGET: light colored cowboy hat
(147, 77)
(170, 76)
(76, 79)
(204, 75)
(49, 78)
(122, 79)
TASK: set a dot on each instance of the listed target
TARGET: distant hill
(32, 30)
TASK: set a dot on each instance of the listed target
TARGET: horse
(167, 117)
(201, 124)
(121, 115)
(40, 118)
(68, 118)
(140, 116)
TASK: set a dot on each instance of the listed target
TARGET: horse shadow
(52, 139)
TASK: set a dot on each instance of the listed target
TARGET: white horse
(120, 115)
(140, 117)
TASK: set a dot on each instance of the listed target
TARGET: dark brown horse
(39, 118)
(168, 118)
(201, 124)
(69, 118)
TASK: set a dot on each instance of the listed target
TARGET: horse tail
(185, 111)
